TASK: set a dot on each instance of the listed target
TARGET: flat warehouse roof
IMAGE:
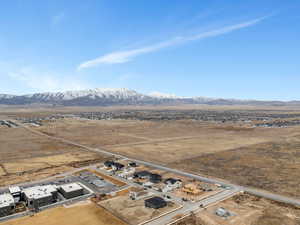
(6, 200)
(38, 192)
(14, 189)
(71, 187)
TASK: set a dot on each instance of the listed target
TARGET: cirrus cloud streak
(118, 57)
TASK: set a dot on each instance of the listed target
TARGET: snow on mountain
(203, 99)
(120, 96)
(5, 96)
(90, 93)
(101, 93)
(114, 93)
(157, 94)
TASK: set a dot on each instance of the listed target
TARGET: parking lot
(94, 182)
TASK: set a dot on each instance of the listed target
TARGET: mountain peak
(157, 94)
(121, 96)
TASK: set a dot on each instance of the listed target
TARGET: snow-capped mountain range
(119, 96)
(118, 93)
(157, 94)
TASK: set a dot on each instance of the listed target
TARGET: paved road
(31, 183)
(186, 207)
(193, 207)
(254, 191)
(133, 184)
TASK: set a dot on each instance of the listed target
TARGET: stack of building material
(191, 189)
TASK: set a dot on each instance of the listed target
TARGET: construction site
(126, 189)
(132, 193)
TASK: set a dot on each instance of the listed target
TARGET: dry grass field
(273, 166)
(90, 133)
(266, 158)
(2, 171)
(17, 143)
(250, 210)
(171, 140)
(26, 156)
(43, 110)
(81, 214)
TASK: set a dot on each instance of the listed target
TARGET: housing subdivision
(124, 187)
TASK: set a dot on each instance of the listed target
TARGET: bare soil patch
(81, 214)
(273, 166)
(266, 158)
(250, 210)
(24, 155)
(134, 211)
(18, 143)
(91, 133)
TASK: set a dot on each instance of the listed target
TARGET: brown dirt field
(251, 210)
(190, 220)
(84, 214)
(133, 211)
(266, 158)
(47, 161)
(248, 156)
(171, 140)
(198, 197)
(96, 133)
(18, 143)
(33, 175)
(2, 171)
(27, 154)
(44, 110)
(170, 151)
(271, 166)
(44, 171)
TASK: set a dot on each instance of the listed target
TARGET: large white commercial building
(15, 191)
(39, 196)
(7, 204)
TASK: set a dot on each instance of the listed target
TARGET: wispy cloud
(46, 81)
(127, 55)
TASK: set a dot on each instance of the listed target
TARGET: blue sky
(246, 49)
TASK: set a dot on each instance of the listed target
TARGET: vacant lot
(91, 133)
(246, 210)
(167, 151)
(17, 143)
(134, 211)
(273, 166)
(2, 171)
(83, 214)
(166, 141)
(266, 158)
(26, 156)
(249, 210)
